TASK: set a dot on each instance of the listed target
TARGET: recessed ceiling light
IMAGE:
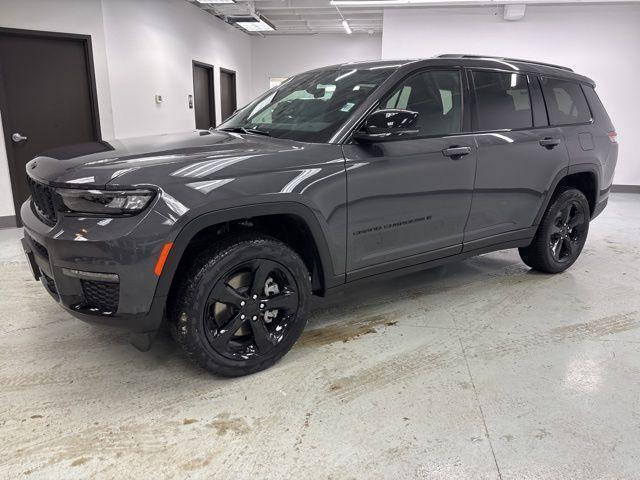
(253, 24)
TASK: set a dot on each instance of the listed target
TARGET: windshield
(310, 107)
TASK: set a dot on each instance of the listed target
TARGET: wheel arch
(323, 275)
(584, 177)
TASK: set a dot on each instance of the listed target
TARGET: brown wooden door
(47, 97)
(203, 96)
(228, 103)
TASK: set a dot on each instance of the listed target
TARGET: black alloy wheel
(561, 234)
(241, 305)
(250, 309)
(567, 231)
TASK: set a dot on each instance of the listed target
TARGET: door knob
(17, 138)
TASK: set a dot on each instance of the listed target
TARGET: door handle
(456, 152)
(550, 143)
(17, 138)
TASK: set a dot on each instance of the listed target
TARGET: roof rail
(507, 59)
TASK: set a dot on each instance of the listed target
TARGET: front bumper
(126, 247)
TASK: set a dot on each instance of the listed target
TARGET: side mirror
(388, 124)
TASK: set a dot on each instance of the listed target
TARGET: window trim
(337, 138)
(586, 101)
(468, 104)
(474, 101)
(389, 92)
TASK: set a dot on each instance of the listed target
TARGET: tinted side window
(565, 102)
(436, 96)
(502, 101)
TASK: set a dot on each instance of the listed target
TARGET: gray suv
(339, 174)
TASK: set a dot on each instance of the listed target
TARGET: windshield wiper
(255, 131)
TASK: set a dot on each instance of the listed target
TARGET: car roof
(471, 61)
(367, 64)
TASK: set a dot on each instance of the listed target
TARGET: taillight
(613, 136)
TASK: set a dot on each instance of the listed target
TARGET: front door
(409, 200)
(519, 156)
(47, 98)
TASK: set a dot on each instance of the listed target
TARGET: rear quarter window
(565, 100)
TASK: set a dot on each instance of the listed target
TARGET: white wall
(283, 56)
(145, 47)
(140, 48)
(599, 41)
(69, 16)
(150, 45)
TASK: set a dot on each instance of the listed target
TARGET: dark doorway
(47, 97)
(203, 98)
(228, 103)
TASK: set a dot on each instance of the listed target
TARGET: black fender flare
(197, 224)
(565, 172)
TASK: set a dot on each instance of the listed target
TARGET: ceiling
(310, 17)
(305, 17)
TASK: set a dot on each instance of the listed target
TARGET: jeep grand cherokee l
(339, 174)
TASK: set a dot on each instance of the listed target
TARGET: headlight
(109, 202)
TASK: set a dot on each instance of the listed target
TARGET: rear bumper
(126, 249)
(599, 207)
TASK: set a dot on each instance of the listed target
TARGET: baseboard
(625, 188)
(8, 221)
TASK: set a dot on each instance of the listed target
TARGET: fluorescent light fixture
(346, 26)
(253, 24)
(216, 1)
(368, 2)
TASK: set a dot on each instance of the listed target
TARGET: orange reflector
(162, 258)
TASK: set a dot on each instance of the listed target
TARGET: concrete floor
(481, 369)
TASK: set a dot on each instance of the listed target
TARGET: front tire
(242, 305)
(561, 234)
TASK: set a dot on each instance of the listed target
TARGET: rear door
(519, 156)
(408, 200)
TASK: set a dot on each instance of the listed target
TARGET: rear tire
(241, 305)
(561, 234)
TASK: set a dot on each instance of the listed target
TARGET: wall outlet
(158, 98)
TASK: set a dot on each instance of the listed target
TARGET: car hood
(155, 159)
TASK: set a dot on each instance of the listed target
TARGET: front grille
(42, 200)
(101, 295)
